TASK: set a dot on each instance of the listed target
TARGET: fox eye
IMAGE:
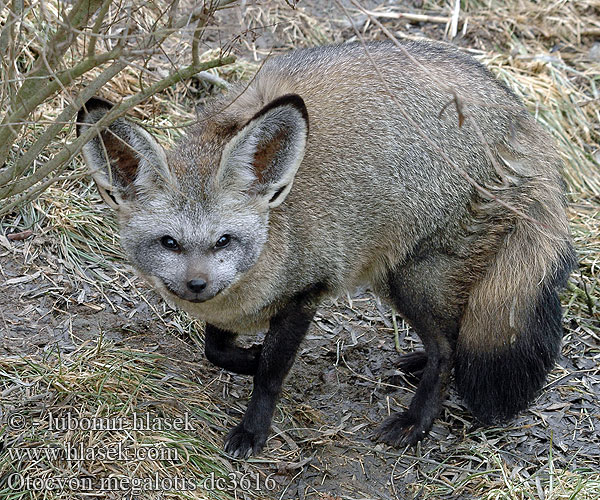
(170, 243)
(223, 241)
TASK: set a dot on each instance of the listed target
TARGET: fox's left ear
(265, 154)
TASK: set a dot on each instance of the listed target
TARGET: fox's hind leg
(423, 294)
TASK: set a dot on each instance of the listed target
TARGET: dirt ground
(344, 383)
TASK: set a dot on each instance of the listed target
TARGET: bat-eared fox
(408, 169)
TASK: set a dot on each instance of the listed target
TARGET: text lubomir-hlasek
(135, 422)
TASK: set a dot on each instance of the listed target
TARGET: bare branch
(132, 42)
(419, 18)
(117, 111)
(97, 25)
(14, 172)
(38, 95)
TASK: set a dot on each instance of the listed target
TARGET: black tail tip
(496, 384)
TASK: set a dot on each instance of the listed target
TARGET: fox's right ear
(125, 161)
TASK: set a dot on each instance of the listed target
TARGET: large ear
(265, 154)
(124, 159)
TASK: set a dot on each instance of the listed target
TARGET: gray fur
(369, 195)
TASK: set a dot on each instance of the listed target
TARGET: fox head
(194, 220)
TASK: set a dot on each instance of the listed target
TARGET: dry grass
(542, 50)
(113, 386)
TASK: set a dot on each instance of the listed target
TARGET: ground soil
(343, 384)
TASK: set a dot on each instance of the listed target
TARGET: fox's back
(375, 179)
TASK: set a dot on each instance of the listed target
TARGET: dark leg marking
(221, 350)
(287, 329)
(413, 364)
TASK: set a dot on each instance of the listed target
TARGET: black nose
(196, 285)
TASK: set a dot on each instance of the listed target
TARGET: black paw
(241, 443)
(413, 364)
(401, 429)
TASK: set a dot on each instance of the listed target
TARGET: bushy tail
(511, 330)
